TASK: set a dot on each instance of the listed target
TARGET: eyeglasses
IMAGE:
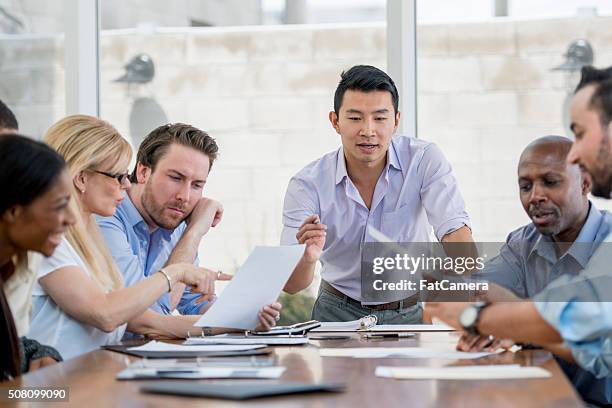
(122, 178)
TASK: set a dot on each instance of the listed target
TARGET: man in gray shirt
(566, 229)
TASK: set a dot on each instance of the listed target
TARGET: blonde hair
(89, 143)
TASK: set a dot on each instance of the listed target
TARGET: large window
(263, 92)
(32, 62)
(486, 88)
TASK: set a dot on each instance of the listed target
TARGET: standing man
(164, 216)
(401, 186)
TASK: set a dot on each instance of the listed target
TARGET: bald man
(564, 223)
(564, 232)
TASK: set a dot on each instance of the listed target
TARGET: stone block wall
(485, 91)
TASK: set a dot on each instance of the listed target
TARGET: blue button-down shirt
(415, 193)
(140, 253)
(528, 263)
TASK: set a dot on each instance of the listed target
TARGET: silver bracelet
(167, 278)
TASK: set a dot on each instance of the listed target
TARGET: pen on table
(388, 335)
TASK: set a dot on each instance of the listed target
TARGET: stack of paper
(161, 346)
(475, 372)
(259, 340)
(410, 328)
(399, 352)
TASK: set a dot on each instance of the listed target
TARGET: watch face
(468, 316)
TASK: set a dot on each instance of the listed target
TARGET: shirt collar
(581, 252)
(132, 213)
(392, 161)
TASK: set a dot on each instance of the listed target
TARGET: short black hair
(601, 100)
(7, 118)
(365, 78)
(28, 169)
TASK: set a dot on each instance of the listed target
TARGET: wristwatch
(470, 316)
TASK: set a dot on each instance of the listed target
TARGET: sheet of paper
(411, 328)
(399, 352)
(201, 372)
(256, 284)
(479, 372)
(161, 346)
(265, 340)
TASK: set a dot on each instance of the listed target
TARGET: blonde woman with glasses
(79, 302)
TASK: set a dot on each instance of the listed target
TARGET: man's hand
(207, 213)
(268, 316)
(312, 233)
(448, 312)
(471, 343)
(37, 363)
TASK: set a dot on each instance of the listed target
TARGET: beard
(155, 211)
(602, 173)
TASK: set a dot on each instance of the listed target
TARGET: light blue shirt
(580, 309)
(415, 193)
(140, 253)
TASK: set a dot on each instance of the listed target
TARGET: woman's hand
(201, 280)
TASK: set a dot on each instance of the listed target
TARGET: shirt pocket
(397, 224)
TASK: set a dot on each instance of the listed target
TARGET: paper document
(399, 352)
(256, 284)
(265, 340)
(161, 346)
(201, 372)
(411, 328)
(479, 372)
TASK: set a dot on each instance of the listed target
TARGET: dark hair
(601, 99)
(27, 170)
(365, 78)
(7, 118)
(156, 144)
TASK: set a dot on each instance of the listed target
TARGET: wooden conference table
(91, 381)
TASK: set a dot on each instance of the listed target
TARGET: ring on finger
(219, 272)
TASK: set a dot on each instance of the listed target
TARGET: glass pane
(263, 92)
(488, 85)
(32, 62)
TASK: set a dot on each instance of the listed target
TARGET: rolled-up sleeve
(440, 193)
(505, 269)
(299, 204)
(585, 326)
